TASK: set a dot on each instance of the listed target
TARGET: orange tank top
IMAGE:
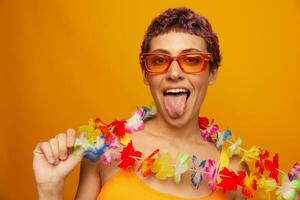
(126, 185)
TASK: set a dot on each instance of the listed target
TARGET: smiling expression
(175, 80)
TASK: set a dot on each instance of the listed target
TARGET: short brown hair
(185, 20)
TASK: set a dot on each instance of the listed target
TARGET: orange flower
(249, 185)
(147, 163)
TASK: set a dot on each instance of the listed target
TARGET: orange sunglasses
(192, 62)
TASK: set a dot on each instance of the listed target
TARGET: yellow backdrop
(63, 62)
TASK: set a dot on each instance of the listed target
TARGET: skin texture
(174, 43)
(169, 134)
(52, 161)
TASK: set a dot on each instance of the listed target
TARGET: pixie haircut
(184, 20)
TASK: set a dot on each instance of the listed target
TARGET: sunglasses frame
(206, 58)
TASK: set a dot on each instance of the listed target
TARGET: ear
(145, 77)
(212, 76)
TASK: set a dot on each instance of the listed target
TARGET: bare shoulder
(235, 164)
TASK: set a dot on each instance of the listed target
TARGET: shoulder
(236, 165)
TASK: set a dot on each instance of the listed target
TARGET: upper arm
(89, 181)
(235, 165)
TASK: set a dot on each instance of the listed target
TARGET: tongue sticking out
(175, 104)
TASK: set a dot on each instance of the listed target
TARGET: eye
(158, 60)
(192, 60)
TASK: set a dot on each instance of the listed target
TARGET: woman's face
(178, 109)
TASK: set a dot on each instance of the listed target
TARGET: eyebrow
(183, 51)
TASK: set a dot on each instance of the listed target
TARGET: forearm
(51, 191)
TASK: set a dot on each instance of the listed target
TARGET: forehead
(175, 42)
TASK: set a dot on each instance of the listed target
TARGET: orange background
(63, 62)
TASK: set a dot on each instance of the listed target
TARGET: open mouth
(175, 101)
(178, 91)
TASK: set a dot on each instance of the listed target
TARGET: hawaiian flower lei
(112, 143)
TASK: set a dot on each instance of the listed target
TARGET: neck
(190, 131)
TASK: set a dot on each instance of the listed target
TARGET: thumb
(71, 162)
(75, 157)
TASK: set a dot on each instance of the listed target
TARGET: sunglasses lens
(193, 63)
(156, 63)
(189, 62)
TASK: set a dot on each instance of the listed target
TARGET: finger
(54, 147)
(46, 149)
(37, 149)
(71, 137)
(81, 136)
(62, 146)
(74, 159)
(80, 150)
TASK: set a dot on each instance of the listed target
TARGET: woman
(180, 59)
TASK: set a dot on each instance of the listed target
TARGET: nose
(174, 72)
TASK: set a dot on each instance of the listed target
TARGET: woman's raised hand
(53, 162)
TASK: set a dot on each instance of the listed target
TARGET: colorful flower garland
(112, 143)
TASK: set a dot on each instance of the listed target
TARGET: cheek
(200, 81)
(154, 84)
(154, 81)
(200, 85)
